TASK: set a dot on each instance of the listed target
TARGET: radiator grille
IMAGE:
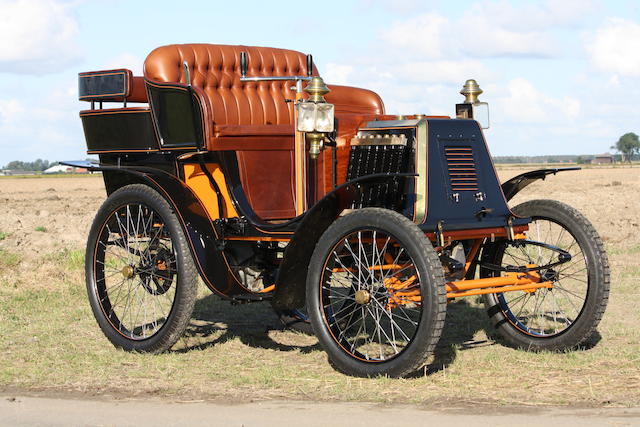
(462, 168)
(367, 159)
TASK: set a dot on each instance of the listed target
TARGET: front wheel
(375, 294)
(565, 315)
(141, 280)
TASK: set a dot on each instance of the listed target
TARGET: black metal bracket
(563, 257)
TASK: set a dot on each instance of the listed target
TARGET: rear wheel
(564, 316)
(141, 280)
(375, 294)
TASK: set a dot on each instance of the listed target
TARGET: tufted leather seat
(254, 118)
(215, 72)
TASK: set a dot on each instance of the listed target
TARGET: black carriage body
(455, 187)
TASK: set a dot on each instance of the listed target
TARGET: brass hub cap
(362, 297)
(127, 272)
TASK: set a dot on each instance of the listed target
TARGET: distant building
(59, 169)
(603, 159)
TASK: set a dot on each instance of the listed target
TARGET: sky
(560, 76)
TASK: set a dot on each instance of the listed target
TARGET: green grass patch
(4, 235)
(41, 229)
(9, 259)
(69, 259)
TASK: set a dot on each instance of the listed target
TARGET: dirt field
(49, 341)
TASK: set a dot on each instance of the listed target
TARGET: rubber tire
(186, 283)
(429, 267)
(598, 284)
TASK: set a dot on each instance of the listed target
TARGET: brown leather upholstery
(137, 91)
(215, 69)
(238, 114)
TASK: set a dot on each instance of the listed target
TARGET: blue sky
(560, 77)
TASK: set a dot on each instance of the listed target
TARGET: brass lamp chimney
(316, 90)
(471, 90)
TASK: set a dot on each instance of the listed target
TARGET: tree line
(37, 166)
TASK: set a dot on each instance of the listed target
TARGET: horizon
(559, 77)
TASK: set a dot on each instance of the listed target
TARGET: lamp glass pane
(324, 118)
(481, 114)
(306, 116)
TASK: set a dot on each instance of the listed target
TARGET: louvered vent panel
(462, 168)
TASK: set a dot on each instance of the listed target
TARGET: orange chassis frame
(402, 293)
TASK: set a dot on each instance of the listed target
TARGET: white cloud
(443, 72)
(425, 35)
(126, 60)
(524, 103)
(615, 47)
(488, 29)
(528, 17)
(10, 109)
(337, 73)
(38, 36)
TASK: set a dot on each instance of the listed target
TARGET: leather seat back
(215, 69)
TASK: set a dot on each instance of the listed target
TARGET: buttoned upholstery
(215, 71)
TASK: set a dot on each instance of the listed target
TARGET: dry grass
(50, 341)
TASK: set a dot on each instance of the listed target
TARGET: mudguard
(198, 228)
(513, 186)
(292, 275)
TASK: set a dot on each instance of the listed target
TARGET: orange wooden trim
(105, 72)
(258, 239)
(105, 112)
(150, 150)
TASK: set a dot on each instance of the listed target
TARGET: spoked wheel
(375, 294)
(141, 280)
(565, 315)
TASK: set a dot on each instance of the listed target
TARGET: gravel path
(46, 411)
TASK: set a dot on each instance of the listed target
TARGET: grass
(51, 342)
(4, 235)
(41, 229)
(9, 259)
(67, 259)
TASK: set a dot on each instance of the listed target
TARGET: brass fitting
(471, 90)
(316, 89)
(315, 140)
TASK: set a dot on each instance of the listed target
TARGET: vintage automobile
(243, 168)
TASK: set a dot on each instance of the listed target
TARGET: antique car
(240, 166)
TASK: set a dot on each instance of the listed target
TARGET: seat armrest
(181, 119)
(111, 86)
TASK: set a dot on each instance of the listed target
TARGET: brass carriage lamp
(315, 116)
(472, 108)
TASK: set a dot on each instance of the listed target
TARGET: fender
(198, 228)
(292, 275)
(513, 186)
